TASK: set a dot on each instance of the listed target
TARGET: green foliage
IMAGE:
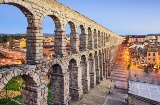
(146, 70)
(10, 102)
(49, 93)
(127, 37)
(144, 52)
(129, 65)
(2, 101)
(5, 38)
(19, 98)
(14, 85)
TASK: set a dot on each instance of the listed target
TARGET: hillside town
(14, 49)
(144, 52)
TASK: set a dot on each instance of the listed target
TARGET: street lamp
(3, 61)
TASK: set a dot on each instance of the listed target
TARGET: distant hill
(142, 35)
(12, 34)
(45, 34)
(153, 34)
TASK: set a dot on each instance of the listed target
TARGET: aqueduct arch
(70, 77)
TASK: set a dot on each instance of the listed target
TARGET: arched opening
(105, 39)
(22, 90)
(72, 38)
(102, 40)
(99, 39)
(109, 65)
(83, 39)
(14, 91)
(97, 68)
(109, 38)
(95, 39)
(59, 48)
(85, 74)
(48, 37)
(59, 86)
(101, 65)
(75, 87)
(92, 71)
(13, 33)
(68, 38)
(90, 44)
(73, 74)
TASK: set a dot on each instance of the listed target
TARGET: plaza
(145, 90)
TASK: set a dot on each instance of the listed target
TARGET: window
(154, 59)
(148, 58)
(148, 54)
(153, 54)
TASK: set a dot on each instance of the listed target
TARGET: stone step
(118, 79)
(119, 75)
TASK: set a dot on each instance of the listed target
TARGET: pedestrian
(135, 75)
(137, 78)
(109, 92)
(115, 86)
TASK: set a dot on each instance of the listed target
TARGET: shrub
(128, 66)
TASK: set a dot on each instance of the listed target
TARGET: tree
(11, 43)
(146, 69)
(127, 39)
(129, 65)
(5, 38)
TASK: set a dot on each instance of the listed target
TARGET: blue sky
(121, 16)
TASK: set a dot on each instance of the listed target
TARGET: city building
(158, 38)
(48, 41)
(140, 39)
(153, 55)
(23, 43)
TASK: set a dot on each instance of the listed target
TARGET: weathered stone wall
(36, 10)
(93, 58)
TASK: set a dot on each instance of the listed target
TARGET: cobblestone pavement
(97, 95)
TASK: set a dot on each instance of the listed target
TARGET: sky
(124, 17)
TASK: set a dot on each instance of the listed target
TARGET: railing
(152, 102)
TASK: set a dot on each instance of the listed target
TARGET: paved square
(150, 91)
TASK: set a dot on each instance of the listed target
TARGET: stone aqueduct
(71, 74)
